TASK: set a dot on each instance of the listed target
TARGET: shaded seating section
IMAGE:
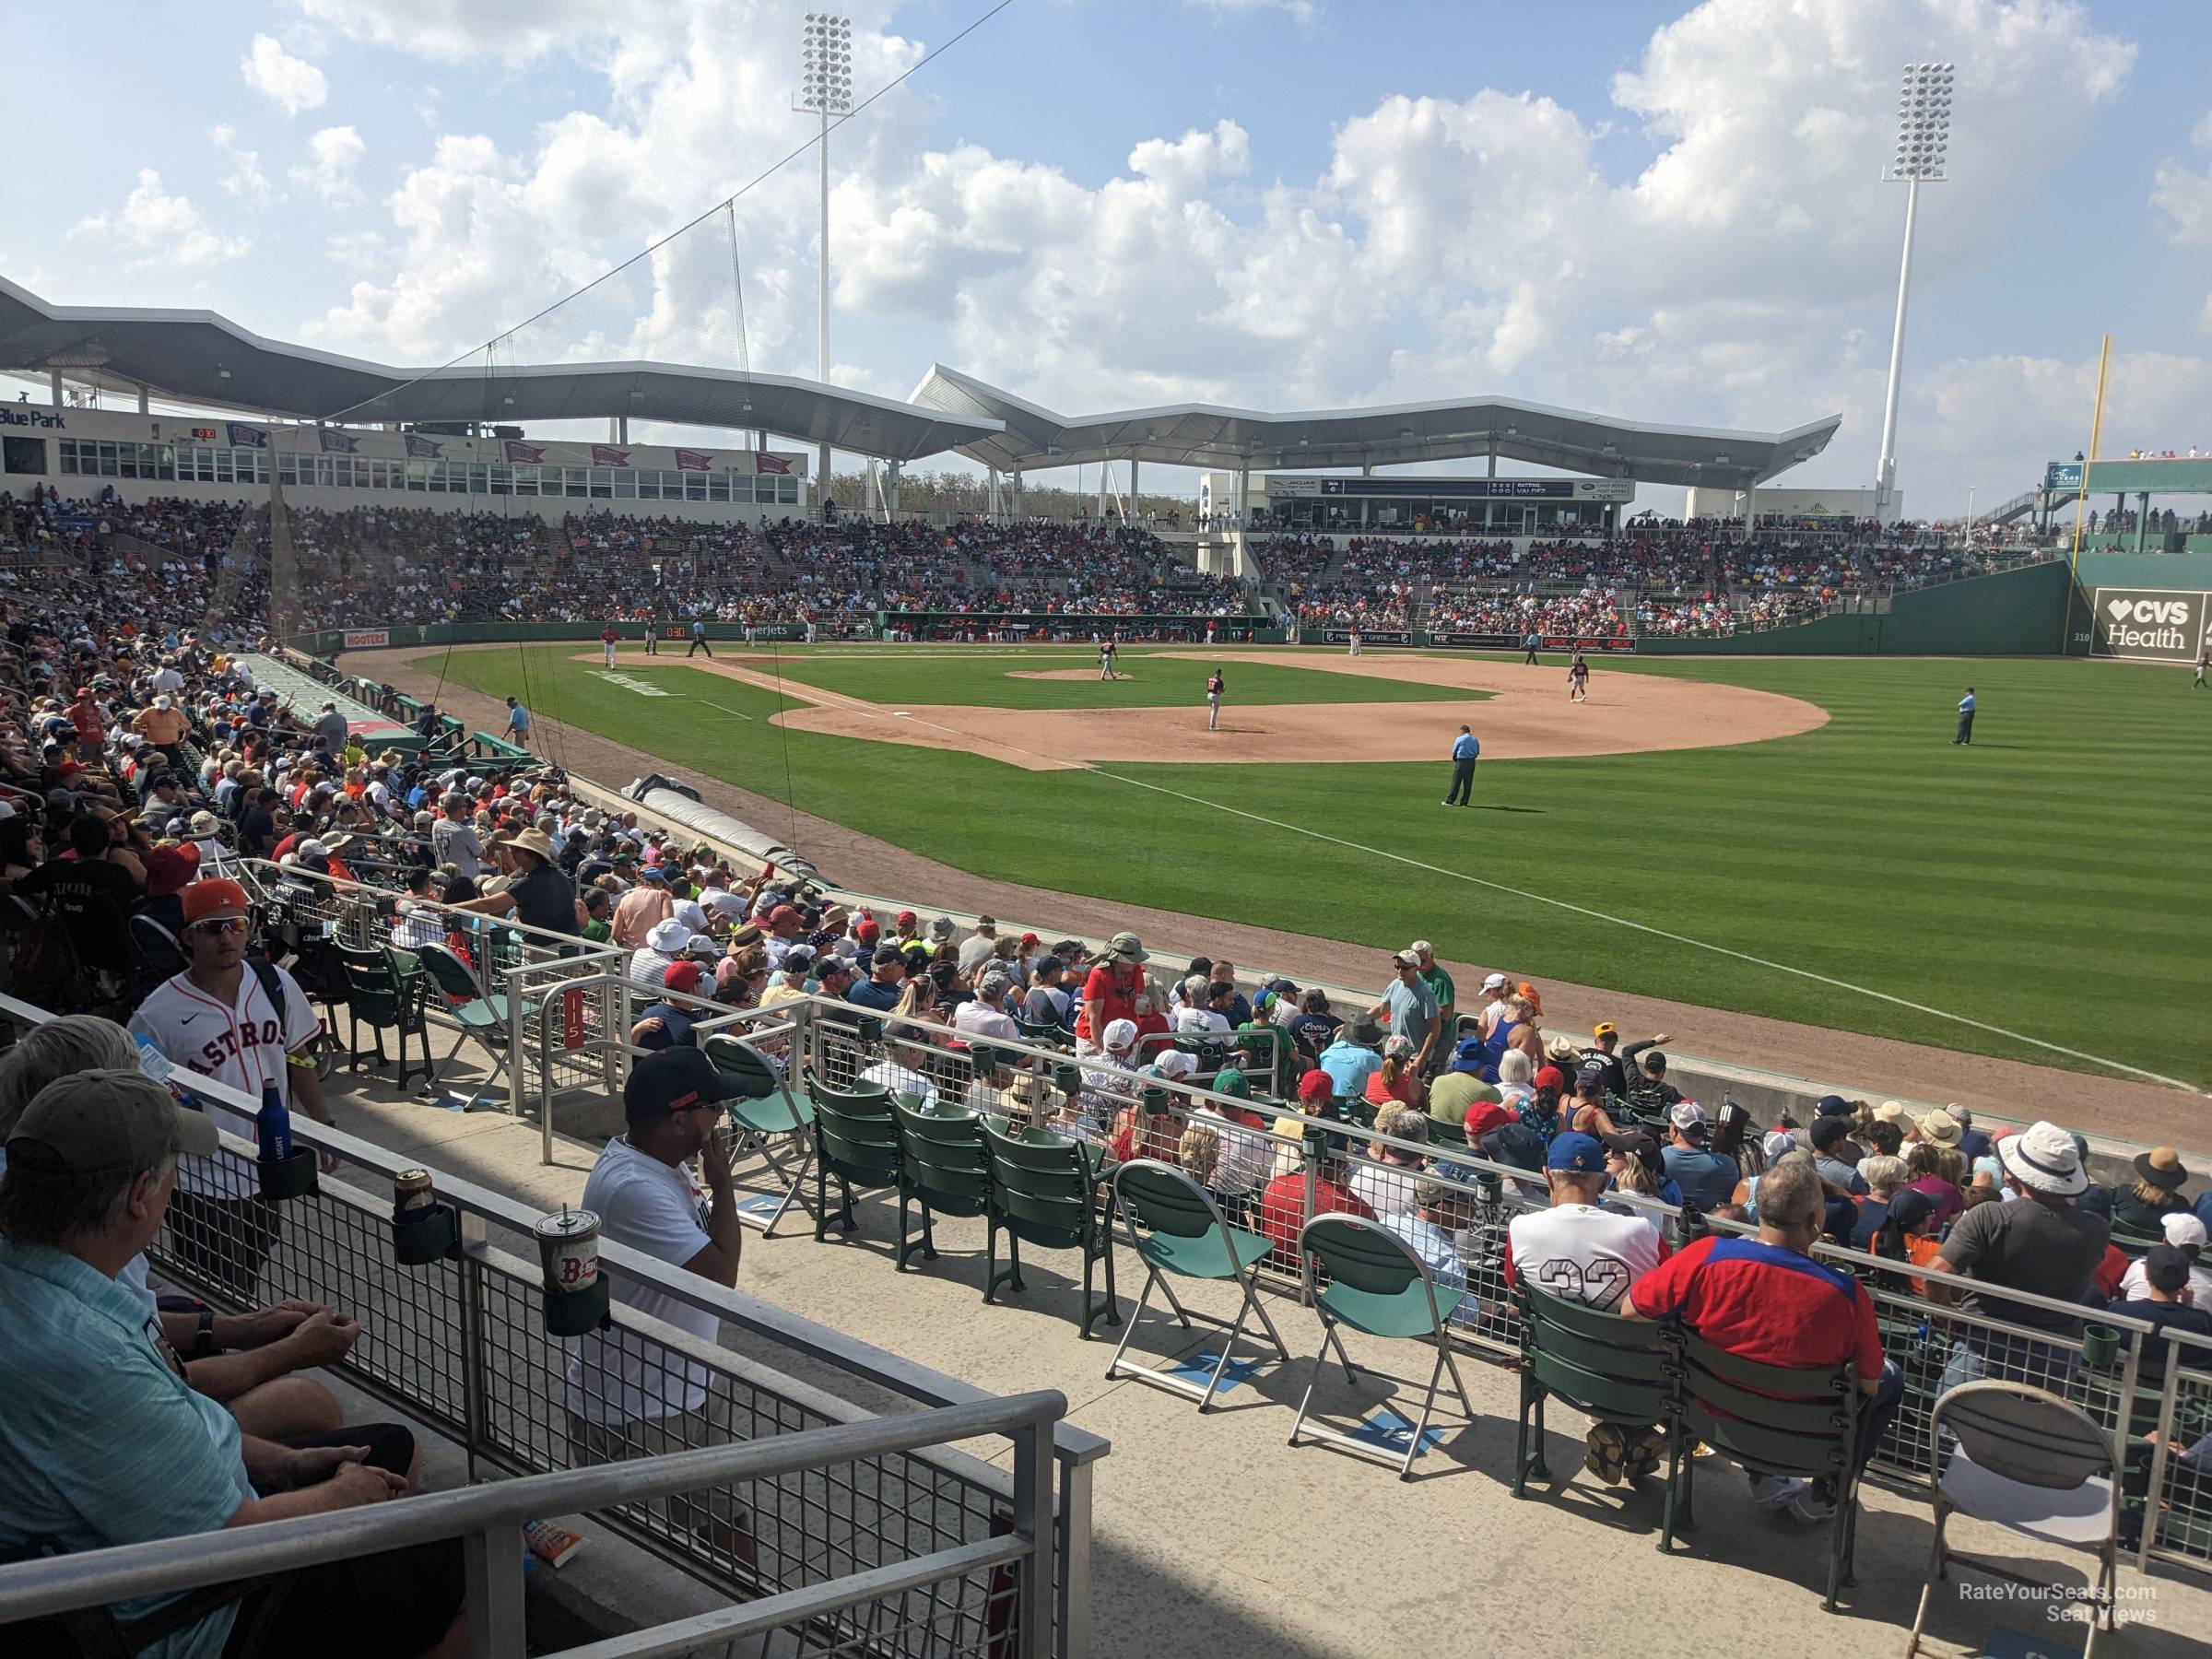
(1177, 1231)
(943, 1166)
(1773, 1420)
(1044, 1193)
(1613, 1369)
(2036, 1466)
(856, 1140)
(480, 1015)
(387, 992)
(1364, 1277)
(769, 1119)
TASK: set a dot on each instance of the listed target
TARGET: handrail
(122, 1573)
(907, 1378)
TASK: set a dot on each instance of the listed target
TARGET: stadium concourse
(161, 805)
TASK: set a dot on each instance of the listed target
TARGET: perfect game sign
(2166, 625)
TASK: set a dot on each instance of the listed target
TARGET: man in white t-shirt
(246, 1026)
(1579, 1253)
(901, 1070)
(628, 1395)
(985, 1013)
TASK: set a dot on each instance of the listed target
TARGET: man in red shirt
(1283, 1202)
(91, 729)
(609, 640)
(1765, 1299)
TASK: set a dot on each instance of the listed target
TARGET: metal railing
(922, 1602)
(2160, 1420)
(460, 1346)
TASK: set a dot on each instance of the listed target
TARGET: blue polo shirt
(1349, 1065)
(1465, 746)
(102, 1442)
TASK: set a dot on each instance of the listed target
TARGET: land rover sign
(2167, 625)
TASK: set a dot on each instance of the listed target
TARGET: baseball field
(1790, 837)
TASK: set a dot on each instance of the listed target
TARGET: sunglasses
(219, 925)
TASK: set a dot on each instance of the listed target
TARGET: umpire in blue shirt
(1966, 718)
(1464, 749)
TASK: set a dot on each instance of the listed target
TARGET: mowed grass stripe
(1150, 681)
(2059, 888)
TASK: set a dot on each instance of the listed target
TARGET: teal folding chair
(1176, 1230)
(480, 1015)
(764, 1114)
(1377, 1285)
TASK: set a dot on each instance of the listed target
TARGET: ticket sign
(2062, 476)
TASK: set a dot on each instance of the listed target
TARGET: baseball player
(1577, 678)
(2204, 651)
(1352, 647)
(1215, 686)
(1528, 646)
(608, 637)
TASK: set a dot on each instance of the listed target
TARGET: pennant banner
(335, 443)
(606, 454)
(694, 461)
(246, 437)
(765, 463)
(423, 448)
(526, 454)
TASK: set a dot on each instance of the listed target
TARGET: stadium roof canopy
(1211, 436)
(201, 359)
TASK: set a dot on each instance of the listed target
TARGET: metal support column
(621, 429)
(1131, 514)
(1020, 499)
(1750, 509)
(57, 382)
(894, 489)
(1493, 468)
(2142, 518)
(142, 408)
(1102, 466)
(1885, 478)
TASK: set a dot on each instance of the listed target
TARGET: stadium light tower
(825, 90)
(1923, 133)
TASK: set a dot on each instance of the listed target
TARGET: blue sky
(1663, 212)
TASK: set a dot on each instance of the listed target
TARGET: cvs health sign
(2163, 624)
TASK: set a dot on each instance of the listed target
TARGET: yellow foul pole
(2081, 499)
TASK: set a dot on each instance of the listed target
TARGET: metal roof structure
(203, 359)
(1210, 436)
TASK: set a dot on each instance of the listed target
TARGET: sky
(1660, 212)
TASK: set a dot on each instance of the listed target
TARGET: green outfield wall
(2014, 613)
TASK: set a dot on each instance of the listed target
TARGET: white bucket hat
(668, 936)
(2043, 1158)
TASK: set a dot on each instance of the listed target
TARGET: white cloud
(246, 180)
(332, 154)
(154, 226)
(1298, 11)
(2184, 194)
(1716, 247)
(293, 84)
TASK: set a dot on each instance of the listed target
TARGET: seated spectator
(627, 1395)
(1936, 1171)
(1384, 1180)
(1396, 1079)
(1908, 1235)
(1648, 1094)
(2185, 1233)
(91, 1165)
(2043, 1242)
(1706, 1179)
(1765, 1299)
(2155, 1194)
(1283, 1201)
(1883, 1176)
(1830, 1137)
(984, 1015)
(2167, 1301)
(1460, 1085)
(1578, 1252)
(1350, 1059)
(1637, 1164)
(905, 1053)
(1432, 1227)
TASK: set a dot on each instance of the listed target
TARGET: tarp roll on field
(675, 807)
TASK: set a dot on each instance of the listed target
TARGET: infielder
(1215, 686)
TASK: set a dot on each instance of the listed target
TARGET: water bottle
(273, 1125)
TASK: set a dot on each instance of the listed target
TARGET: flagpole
(2081, 498)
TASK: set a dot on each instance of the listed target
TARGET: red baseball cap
(905, 918)
(218, 896)
(1316, 1085)
(1551, 1077)
(1483, 1117)
(866, 930)
(681, 976)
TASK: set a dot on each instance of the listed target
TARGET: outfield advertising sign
(2062, 476)
(363, 639)
(1454, 641)
(2165, 625)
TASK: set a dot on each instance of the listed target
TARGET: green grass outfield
(2051, 880)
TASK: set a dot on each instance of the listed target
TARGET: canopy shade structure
(201, 359)
(1206, 435)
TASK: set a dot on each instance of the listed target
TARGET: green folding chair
(1044, 1193)
(1044, 1033)
(1771, 1420)
(1376, 1286)
(480, 1015)
(764, 1114)
(386, 991)
(1608, 1366)
(943, 1166)
(1183, 1235)
(856, 1139)
(2137, 1241)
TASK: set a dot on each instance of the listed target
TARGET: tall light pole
(1923, 132)
(825, 90)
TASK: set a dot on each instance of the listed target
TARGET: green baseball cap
(96, 1125)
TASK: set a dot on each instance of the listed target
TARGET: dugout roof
(201, 359)
(1210, 436)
